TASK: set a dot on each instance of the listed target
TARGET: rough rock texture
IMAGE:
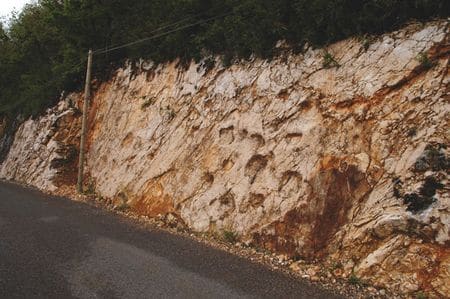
(45, 151)
(348, 163)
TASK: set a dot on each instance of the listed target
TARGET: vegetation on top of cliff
(43, 49)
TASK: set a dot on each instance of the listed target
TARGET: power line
(102, 51)
(168, 25)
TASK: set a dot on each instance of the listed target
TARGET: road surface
(55, 248)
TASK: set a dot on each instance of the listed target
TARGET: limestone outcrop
(345, 161)
(45, 150)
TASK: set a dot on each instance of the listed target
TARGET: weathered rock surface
(45, 151)
(347, 163)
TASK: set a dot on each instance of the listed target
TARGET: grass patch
(147, 103)
(336, 265)
(167, 112)
(89, 188)
(420, 295)
(230, 236)
(329, 61)
(354, 280)
(366, 41)
(425, 61)
(122, 207)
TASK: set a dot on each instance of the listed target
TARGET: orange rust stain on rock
(350, 103)
(336, 202)
(210, 159)
(66, 136)
(95, 103)
(306, 231)
(437, 255)
(153, 201)
(329, 162)
(441, 50)
(127, 140)
(438, 51)
(227, 164)
(284, 94)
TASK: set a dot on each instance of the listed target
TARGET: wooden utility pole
(87, 95)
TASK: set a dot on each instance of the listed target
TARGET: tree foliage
(43, 49)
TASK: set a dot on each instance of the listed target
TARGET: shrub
(430, 186)
(412, 132)
(167, 112)
(230, 236)
(122, 207)
(425, 61)
(433, 158)
(147, 103)
(43, 49)
(89, 187)
(421, 295)
(354, 280)
(329, 61)
(418, 202)
(366, 41)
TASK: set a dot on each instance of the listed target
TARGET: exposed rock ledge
(347, 163)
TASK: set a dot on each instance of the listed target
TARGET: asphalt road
(55, 248)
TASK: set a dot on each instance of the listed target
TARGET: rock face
(45, 151)
(346, 163)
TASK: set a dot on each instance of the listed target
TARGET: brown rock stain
(153, 202)
(227, 164)
(127, 140)
(437, 256)
(211, 158)
(253, 201)
(227, 134)
(298, 135)
(256, 164)
(67, 136)
(95, 119)
(307, 230)
(350, 104)
(258, 139)
(288, 176)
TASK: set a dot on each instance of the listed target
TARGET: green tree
(43, 49)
